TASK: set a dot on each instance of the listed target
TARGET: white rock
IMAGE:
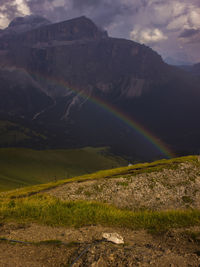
(113, 237)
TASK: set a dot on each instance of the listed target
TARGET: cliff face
(107, 65)
(20, 95)
(74, 61)
(84, 57)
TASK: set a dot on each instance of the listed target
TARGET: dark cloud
(191, 37)
(189, 33)
(103, 12)
(80, 4)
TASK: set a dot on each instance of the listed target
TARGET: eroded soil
(174, 248)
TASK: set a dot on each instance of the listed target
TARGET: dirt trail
(174, 248)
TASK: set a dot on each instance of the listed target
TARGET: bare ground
(174, 248)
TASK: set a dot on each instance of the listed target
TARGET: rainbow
(152, 139)
(158, 144)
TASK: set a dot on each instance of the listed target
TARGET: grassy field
(20, 167)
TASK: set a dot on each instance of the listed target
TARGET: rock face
(41, 31)
(81, 75)
(20, 95)
(104, 66)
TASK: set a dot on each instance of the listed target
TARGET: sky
(171, 27)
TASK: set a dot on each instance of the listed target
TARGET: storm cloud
(169, 26)
(190, 36)
(188, 33)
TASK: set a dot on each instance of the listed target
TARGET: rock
(113, 237)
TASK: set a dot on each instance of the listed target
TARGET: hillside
(21, 167)
(154, 207)
(14, 133)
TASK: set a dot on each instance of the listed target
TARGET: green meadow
(20, 167)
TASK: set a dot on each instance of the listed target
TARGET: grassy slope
(117, 172)
(20, 206)
(12, 133)
(23, 167)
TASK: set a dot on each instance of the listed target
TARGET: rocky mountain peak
(24, 24)
(70, 30)
(32, 30)
(32, 20)
(83, 25)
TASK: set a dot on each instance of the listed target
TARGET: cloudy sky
(171, 27)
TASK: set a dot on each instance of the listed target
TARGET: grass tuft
(51, 211)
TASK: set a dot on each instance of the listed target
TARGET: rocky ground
(174, 248)
(177, 188)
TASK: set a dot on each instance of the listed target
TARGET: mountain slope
(20, 95)
(86, 80)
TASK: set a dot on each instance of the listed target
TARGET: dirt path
(175, 248)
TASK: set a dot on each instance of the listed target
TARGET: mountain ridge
(81, 62)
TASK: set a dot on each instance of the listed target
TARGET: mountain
(82, 87)
(20, 94)
(24, 24)
(194, 69)
(177, 62)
